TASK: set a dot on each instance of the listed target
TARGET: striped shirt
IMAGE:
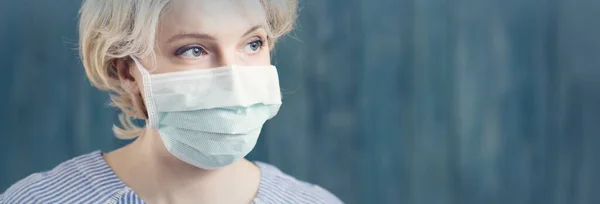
(89, 179)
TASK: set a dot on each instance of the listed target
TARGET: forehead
(214, 17)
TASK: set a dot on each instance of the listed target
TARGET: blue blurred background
(385, 101)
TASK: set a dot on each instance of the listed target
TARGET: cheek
(259, 59)
(166, 64)
(265, 57)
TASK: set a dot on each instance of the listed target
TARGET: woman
(198, 72)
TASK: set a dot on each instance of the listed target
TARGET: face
(204, 34)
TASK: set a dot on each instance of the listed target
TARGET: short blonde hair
(115, 29)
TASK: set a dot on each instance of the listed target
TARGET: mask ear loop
(148, 97)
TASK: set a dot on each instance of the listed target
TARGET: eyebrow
(207, 36)
(191, 35)
(254, 28)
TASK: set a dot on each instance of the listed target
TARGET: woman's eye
(254, 46)
(192, 52)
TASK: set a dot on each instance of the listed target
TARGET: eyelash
(183, 50)
(261, 42)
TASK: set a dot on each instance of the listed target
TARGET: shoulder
(278, 187)
(83, 178)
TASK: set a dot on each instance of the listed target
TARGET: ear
(123, 67)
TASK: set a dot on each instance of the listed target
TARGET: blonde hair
(115, 29)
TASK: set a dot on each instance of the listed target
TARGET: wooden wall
(385, 101)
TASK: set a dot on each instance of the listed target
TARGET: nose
(225, 58)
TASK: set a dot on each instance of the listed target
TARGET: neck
(158, 177)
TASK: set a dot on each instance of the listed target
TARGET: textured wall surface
(385, 101)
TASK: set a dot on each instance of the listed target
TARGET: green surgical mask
(211, 118)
